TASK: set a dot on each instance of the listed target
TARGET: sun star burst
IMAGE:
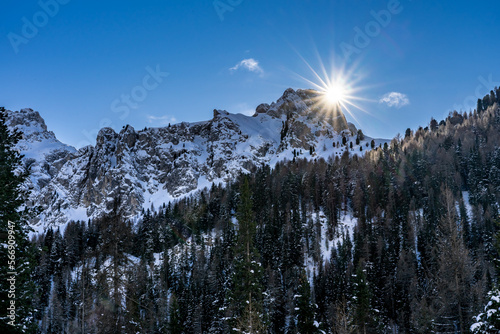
(338, 89)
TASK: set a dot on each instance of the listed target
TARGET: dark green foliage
(362, 301)
(305, 312)
(361, 135)
(175, 321)
(17, 254)
(433, 124)
(247, 276)
(479, 107)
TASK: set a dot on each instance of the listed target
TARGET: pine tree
(114, 242)
(486, 101)
(362, 302)
(361, 135)
(433, 124)
(488, 321)
(175, 321)
(247, 289)
(16, 252)
(305, 312)
(479, 107)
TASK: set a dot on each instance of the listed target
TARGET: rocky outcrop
(156, 165)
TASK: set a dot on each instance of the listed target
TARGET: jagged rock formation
(43, 153)
(156, 165)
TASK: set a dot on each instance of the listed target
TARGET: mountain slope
(153, 166)
(42, 151)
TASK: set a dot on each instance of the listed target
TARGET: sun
(338, 88)
(335, 94)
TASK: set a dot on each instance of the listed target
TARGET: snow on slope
(157, 165)
(43, 153)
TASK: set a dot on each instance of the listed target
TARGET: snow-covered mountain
(157, 165)
(43, 153)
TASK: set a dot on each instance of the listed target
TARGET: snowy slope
(156, 165)
(43, 153)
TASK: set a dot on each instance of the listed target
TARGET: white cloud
(161, 120)
(395, 99)
(249, 64)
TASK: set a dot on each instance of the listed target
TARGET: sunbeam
(339, 88)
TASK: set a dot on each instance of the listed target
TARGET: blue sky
(77, 61)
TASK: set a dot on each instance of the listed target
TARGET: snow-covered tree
(488, 321)
(16, 252)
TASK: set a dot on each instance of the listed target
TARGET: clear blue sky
(86, 55)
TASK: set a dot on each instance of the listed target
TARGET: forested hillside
(401, 240)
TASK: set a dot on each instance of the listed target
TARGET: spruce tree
(479, 107)
(489, 320)
(433, 125)
(175, 322)
(304, 307)
(247, 289)
(362, 302)
(16, 253)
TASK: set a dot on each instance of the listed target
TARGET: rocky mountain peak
(128, 136)
(219, 113)
(30, 123)
(106, 135)
(158, 165)
(304, 103)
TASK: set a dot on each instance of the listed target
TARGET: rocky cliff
(157, 165)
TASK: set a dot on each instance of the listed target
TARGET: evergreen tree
(247, 289)
(17, 290)
(175, 321)
(114, 243)
(304, 307)
(479, 107)
(362, 301)
(361, 135)
(433, 124)
(488, 322)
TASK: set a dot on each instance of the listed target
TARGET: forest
(404, 239)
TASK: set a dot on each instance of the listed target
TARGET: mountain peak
(157, 165)
(104, 135)
(28, 121)
(35, 134)
(219, 112)
(304, 102)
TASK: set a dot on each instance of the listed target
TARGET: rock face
(43, 153)
(156, 165)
